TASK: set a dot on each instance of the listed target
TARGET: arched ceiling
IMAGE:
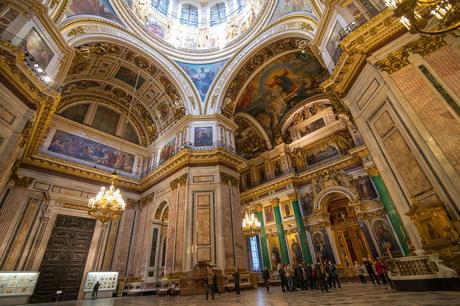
(249, 140)
(275, 80)
(127, 80)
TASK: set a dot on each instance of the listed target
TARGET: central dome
(197, 24)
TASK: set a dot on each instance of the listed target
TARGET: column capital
(372, 170)
(180, 180)
(258, 207)
(275, 202)
(292, 196)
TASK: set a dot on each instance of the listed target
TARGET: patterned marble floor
(350, 294)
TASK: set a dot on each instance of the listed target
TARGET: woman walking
(359, 269)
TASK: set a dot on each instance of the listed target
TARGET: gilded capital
(275, 202)
(372, 171)
(180, 180)
(258, 207)
(228, 179)
(292, 196)
(23, 181)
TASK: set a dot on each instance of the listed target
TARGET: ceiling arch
(250, 141)
(128, 78)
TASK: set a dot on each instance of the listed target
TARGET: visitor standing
(236, 277)
(283, 278)
(95, 290)
(380, 269)
(322, 277)
(298, 272)
(333, 275)
(266, 277)
(359, 269)
(370, 271)
(214, 282)
(208, 281)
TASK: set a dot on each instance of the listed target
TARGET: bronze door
(64, 260)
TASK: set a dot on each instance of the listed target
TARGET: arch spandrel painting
(279, 87)
(100, 8)
(284, 7)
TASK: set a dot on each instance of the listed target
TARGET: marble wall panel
(123, 245)
(180, 228)
(432, 110)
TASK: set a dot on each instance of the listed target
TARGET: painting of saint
(38, 49)
(269, 214)
(100, 8)
(296, 251)
(278, 87)
(155, 28)
(91, 152)
(202, 75)
(365, 187)
(287, 210)
(203, 136)
(322, 247)
(275, 256)
(385, 236)
(306, 204)
(285, 7)
(168, 150)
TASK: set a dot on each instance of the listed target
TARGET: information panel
(107, 281)
(17, 283)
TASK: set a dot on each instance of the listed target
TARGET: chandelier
(107, 205)
(251, 226)
(427, 16)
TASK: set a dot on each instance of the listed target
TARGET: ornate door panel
(64, 261)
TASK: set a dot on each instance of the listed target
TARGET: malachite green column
(279, 228)
(302, 234)
(263, 241)
(390, 208)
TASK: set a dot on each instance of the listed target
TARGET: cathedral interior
(237, 135)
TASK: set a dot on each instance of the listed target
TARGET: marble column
(300, 225)
(389, 208)
(263, 239)
(280, 230)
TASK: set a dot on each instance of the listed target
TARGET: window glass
(189, 15)
(218, 14)
(106, 120)
(161, 6)
(254, 253)
(130, 134)
(76, 113)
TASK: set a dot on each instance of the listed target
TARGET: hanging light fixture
(108, 204)
(251, 226)
(427, 16)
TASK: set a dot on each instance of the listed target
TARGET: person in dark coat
(236, 277)
(370, 270)
(214, 282)
(298, 274)
(208, 282)
(283, 279)
(95, 290)
(314, 283)
(266, 277)
(333, 275)
(321, 276)
(308, 276)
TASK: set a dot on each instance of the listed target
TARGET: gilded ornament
(77, 31)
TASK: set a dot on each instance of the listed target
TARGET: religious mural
(385, 237)
(321, 153)
(306, 204)
(365, 187)
(100, 8)
(279, 87)
(334, 42)
(168, 150)
(322, 246)
(274, 249)
(203, 136)
(294, 246)
(38, 49)
(311, 127)
(202, 75)
(287, 209)
(269, 217)
(249, 142)
(86, 150)
(284, 7)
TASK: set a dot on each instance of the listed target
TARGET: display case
(107, 281)
(17, 283)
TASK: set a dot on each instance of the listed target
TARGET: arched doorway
(346, 230)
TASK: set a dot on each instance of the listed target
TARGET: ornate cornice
(399, 59)
(372, 171)
(178, 181)
(356, 48)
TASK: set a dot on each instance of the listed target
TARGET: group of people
(322, 275)
(211, 286)
(375, 271)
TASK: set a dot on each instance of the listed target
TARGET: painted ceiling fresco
(100, 8)
(284, 7)
(279, 87)
(249, 142)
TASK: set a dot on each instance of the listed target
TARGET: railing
(418, 267)
(29, 60)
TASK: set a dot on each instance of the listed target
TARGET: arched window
(76, 113)
(106, 120)
(161, 6)
(189, 15)
(217, 13)
(130, 134)
(254, 254)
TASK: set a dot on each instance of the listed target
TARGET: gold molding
(228, 179)
(399, 59)
(174, 184)
(372, 170)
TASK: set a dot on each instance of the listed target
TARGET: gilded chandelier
(251, 226)
(108, 204)
(427, 16)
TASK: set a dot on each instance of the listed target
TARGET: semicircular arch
(322, 197)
